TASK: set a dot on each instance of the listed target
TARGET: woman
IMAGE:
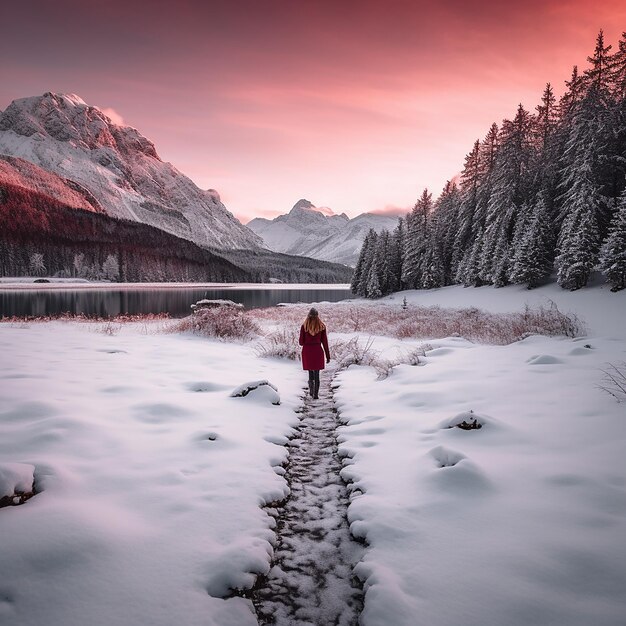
(312, 339)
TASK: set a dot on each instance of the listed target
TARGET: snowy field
(152, 476)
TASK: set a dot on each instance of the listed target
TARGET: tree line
(542, 192)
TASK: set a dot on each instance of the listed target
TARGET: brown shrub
(221, 322)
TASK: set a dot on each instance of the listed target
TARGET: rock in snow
(261, 390)
(119, 167)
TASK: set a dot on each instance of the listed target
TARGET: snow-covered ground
(153, 476)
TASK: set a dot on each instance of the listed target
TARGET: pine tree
(534, 259)
(613, 261)
(579, 239)
(416, 240)
(36, 264)
(373, 289)
(445, 228)
(509, 187)
(547, 118)
(360, 277)
(572, 97)
(111, 268)
(358, 269)
(599, 74)
(617, 70)
(385, 280)
(397, 244)
(470, 183)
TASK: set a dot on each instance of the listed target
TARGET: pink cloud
(391, 211)
(361, 104)
(116, 118)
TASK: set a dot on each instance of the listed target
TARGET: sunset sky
(354, 105)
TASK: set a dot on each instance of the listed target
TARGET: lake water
(174, 301)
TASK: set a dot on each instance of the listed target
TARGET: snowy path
(311, 581)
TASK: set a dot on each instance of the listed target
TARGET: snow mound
(581, 351)
(543, 359)
(16, 478)
(468, 420)
(444, 457)
(260, 390)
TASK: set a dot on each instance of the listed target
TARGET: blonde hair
(313, 324)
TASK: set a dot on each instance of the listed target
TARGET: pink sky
(354, 105)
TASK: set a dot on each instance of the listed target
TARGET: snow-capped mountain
(319, 233)
(118, 167)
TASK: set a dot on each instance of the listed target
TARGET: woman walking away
(312, 339)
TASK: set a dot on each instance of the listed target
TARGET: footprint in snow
(205, 386)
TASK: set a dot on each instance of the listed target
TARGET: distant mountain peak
(303, 204)
(307, 205)
(320, 233)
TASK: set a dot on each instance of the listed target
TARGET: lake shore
(23, 284)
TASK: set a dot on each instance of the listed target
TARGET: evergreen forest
(543, 195)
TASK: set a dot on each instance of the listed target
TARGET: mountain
(61, 226)
(43, 217)
(319, 233)
(117, 168)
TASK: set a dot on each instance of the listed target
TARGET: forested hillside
(541, 192)
(265, 266)
(41, 235)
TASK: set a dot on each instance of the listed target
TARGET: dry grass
(281, 344)
(614, 381)
(81, 317)
(415, 322)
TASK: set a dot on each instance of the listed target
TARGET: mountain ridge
(307, 231)
(119, 166)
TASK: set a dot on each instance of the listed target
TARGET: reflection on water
(176, 302)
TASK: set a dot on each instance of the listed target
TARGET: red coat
(312, 352)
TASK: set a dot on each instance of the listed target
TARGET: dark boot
(316, 390)
(312, 388)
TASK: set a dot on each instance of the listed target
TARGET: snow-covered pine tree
(579, 238)
(608, 118)
(599, 74)
(445, 228)
(372, 289)
(510, 182)
(111, 268)
(534, 257)
(546, 149)
(397, 244)
(383, 266)
(36, 264)
(572, 96)
(470, 182)
(584, 211)
(617, 70)
(358, 269)
(360, 277)
(613, 260)
(370, 258)
(616, 179)
(416, 240)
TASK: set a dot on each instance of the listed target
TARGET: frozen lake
(107, 300)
